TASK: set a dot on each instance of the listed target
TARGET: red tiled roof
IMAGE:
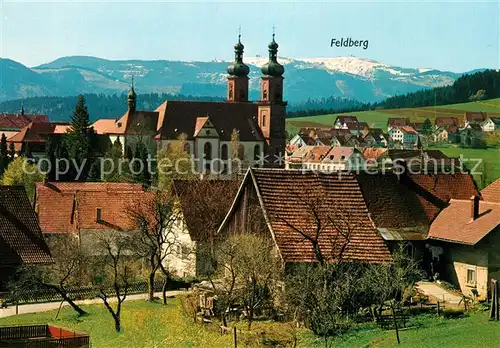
(204, 204)
(21, 240)
(374, 153)
(286, 196)
(33, 133)
(18, 121)
(475, 116)
(65, 207)
(106, 126)
(436, 189)
(398, 121)
(491, 193)
(455, 224)
(316, 154)
(444, 121)
(407, 129)
(178, 117)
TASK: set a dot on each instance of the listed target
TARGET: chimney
(98, 215)
(474, 207)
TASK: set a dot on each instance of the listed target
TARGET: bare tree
(114, 268)
(156, 219)
(70, 263)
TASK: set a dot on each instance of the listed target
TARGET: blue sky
(455, 36)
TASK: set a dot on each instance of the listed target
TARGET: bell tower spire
(132, 98)
(237, 80)
(272, 108)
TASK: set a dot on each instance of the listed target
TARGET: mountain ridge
(362, 79)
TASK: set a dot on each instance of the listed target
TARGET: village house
(32, 138)
(446, 121)
(199, 215)
(472, 135)
(474, 118)
(11, 124)
(469, 233)
(404, 135)
(325, 158)
(344, 121)
(283, 205)
(439, 134)
(84, 208)
(21, 240)
(491, 124)
(375, 137)
(403, 207)
(397, 122)
(210, 127)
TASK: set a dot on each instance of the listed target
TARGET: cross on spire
(239, 32)
(132, 80)
(274, 29)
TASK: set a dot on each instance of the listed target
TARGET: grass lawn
(149, 325)
(145, 325)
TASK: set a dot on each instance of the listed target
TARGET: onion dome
(273, 68)
(238, 68)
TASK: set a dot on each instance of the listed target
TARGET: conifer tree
(12, 151)
(4, 157)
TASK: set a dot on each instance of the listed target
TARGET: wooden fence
(41, 336)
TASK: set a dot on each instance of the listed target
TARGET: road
(49, 306)
(438, 292)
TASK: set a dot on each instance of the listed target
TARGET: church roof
(177, 117)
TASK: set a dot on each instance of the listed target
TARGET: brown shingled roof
(21, 240)
(286, 197)
(454, 224)
(491, 193)
(177, 117)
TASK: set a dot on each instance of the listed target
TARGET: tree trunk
(151, 286)
(65, 297)
(116, 316)
(164, 290)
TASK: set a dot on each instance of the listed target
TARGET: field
(149, 325)
(378, 118)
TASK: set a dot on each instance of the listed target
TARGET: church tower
(132, 99)
(237, 81)
(272, 108)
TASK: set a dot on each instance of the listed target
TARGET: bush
(189, 304)
(453, 313)
(274, 335)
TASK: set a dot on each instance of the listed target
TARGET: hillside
(378, 118)
(350, 77)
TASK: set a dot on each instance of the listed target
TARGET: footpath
(49, 306)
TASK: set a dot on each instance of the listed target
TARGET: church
(209, 128)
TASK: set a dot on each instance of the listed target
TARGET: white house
(200, 206)
(326, 158)
(491, 124)
(405, 135)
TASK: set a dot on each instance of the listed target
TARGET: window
(256, 153)
(98, 214)
(223, 152)
(207, 151)
(471, 276)
(264, 94)
(264, 120)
